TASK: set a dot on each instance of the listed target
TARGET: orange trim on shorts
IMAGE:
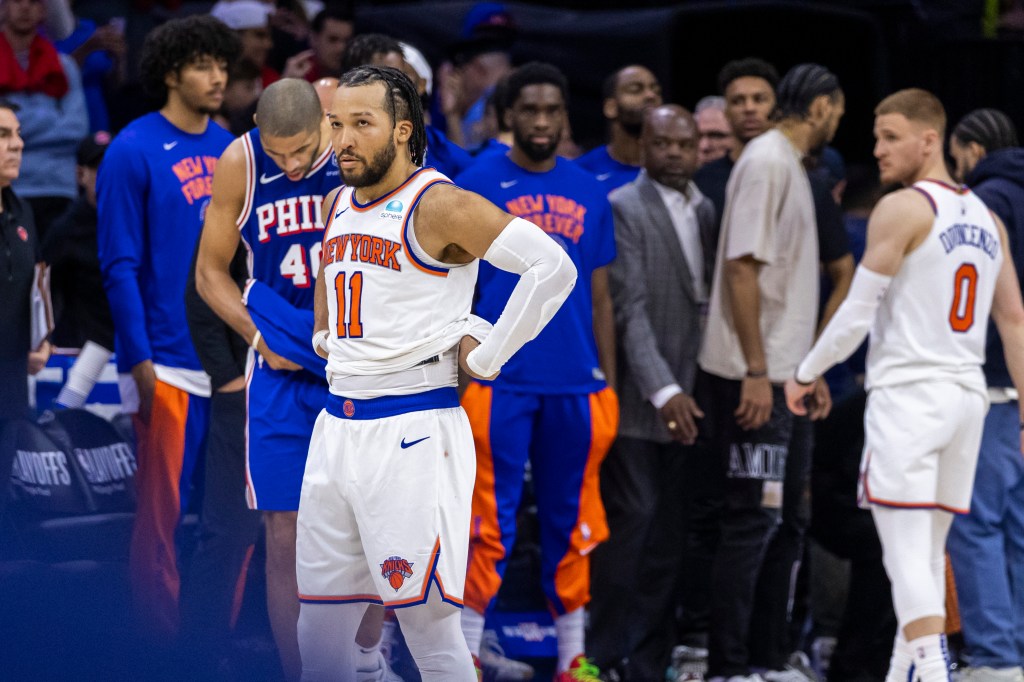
(572, 575)
(485, 548)
(341, 599)
(425, 587)
(236, 604)
(896, 504)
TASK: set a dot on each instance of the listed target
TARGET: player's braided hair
(179, 42)
(401, 101)
(990, 128)
(803, 84)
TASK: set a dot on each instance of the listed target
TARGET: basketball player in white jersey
(935, 266)
(385, 507)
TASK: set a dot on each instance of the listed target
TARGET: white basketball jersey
(391, 306)
(932, 322)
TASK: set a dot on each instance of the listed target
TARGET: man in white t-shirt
(762, 317)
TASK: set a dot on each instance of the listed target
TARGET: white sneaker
(381, 672)
(496, 666)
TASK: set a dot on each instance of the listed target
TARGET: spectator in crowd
(986, 546)
(240, 94)
(19, 356)
(99, 52)
(377, 49)
(499, 134)
(627, 93)
(47, 88)
(552, 407)
(762, 316)
(82, 314)
(748, 86)
(152, 189)
(716, 137)
(330, 33)
(250, 19)
(325, 88)
(663, 224)
(480, 58)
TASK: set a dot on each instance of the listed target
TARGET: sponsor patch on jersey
(396, 570)
(393, 210)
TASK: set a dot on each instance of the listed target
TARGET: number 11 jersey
(931, 325)
(390, 305)
(281, 222)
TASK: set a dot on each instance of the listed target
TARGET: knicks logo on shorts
(396, 570)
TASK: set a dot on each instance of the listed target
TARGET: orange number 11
(354, 328)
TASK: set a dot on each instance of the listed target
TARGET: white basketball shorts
(921, 446)
(384, 513)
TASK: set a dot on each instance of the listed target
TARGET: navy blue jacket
(998, 180)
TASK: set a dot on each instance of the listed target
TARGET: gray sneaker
(986, 674)
(496, 666)
(787, 674)
(689, 664)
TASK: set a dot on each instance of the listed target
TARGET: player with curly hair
(153, 189)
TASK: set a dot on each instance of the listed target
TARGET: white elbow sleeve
(547, 276)
(848, 326)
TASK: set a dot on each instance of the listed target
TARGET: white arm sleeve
(848, 327)
(547, 275)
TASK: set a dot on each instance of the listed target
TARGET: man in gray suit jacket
(664, 234)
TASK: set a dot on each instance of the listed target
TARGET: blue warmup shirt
(606, 170)
(153, 188)
(281, 223)
(445, 156)
(573, 209)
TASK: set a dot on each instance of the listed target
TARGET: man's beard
(536, 152)
(375, 171)
(631, 121)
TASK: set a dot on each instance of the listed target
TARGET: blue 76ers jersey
(281, 222)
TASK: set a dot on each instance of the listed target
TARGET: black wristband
(760, 374)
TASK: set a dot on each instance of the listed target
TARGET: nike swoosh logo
(264, 179)
(509, 183)
(603, 176)
(168, 146)
(409, 445)
(338, 214)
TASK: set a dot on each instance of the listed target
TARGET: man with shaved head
(627, 93)
(325, 88)
(267, 191)
(659, 285)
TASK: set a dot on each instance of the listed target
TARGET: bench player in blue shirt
(152, 190)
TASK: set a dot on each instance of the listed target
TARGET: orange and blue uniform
(153, 188)
(550, 404)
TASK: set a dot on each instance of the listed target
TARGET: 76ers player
(385, 509)
(934, 267)
(268, 190)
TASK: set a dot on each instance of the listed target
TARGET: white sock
(569, 628)
(473, 629)
(366, 658)
(901, 661)
(930, 659)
